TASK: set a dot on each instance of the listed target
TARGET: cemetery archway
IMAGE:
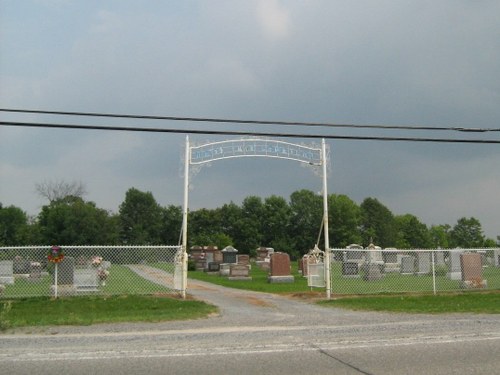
(254, 147)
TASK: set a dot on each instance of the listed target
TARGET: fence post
(433, 273)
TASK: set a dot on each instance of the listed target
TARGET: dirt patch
(257, 301)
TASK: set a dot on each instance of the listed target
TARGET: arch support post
(325, 222)
(185, 221)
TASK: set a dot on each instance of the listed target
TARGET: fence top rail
(393, 250)
(47, 247)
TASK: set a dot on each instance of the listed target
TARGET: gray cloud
(406, 62)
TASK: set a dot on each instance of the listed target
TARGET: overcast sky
(429, 63)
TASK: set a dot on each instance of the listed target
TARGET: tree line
(291, 226)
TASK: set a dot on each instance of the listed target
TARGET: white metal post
(325, 222)
(56, 281)
(185, 221)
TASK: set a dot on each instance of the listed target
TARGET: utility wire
(253, 122)
(241, 133)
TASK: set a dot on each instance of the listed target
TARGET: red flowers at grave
(55, 254)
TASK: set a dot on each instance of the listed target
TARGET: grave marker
(472, 270)
(6, 272)
(239, 272)
(280, 269)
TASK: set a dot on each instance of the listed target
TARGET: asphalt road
(258, 333)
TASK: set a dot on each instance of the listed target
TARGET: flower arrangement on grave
(55, 254)
(103, 275)
(96, 261)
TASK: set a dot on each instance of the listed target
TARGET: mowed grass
(87, 310)
(471, 302)
(374, 294)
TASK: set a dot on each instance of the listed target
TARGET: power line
(240, 133)
(251, 122)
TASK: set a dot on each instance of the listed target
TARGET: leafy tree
(171, 225)
(14, 227)
(204, 227)
(412, 233)
(276, 223)
(141, 218)
(467, 233)
(440, 236)
(248, 229)
(344, 217)
(72, 221)
(229, 215)
(377, 223)
(306, 219)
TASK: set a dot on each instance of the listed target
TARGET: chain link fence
(373, 270)
(107, 270)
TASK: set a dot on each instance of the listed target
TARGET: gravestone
(390, 255)
(407, 265)
(218, 256)
(65, 271)
(279, 269)
(472, 270)
(239, 272)
(263, 253)
(213, 267)
(6, 272)
(21, 266)
(439, 258)
(35, 272)
(496, 258)
(210, 254)
(424, 263)
(195, 252)
(229, 255)
(200, 263)
(372, 272)
(224, 269)
(300, 263)
(354, 253)
(244, 259)
(86, 280)
(350, 269)
(455, 269)
(374, 257)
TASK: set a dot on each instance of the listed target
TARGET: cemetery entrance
(197, 156)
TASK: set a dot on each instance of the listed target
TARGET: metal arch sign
(254, 148)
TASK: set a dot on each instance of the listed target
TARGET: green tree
(440, 236)
(377, 223)
(276, 224)
(14, 226)
(72, 221)
(412, 233)
(140, 218)
(467, 233)
(248, 229)
(204, 227)
(171, 225)
(344, 217)
(230, 214)
(306, 219)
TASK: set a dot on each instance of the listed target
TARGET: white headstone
(6, 272)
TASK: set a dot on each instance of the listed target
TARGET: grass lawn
(121, 280)
(473, 302)
(86, 310)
